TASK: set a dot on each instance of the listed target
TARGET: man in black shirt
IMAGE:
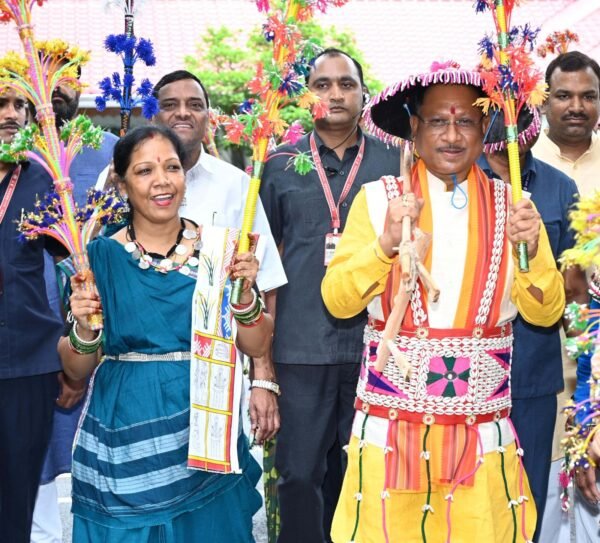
(29, 333)
(317, 356)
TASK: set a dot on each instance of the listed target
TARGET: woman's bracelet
(252, 323)
(81, 346)
(241, 309)
(250, 314)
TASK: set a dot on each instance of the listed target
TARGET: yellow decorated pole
(510, 119)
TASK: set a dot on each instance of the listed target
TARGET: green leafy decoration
(82, 126)
(22, 142)
(303, 163)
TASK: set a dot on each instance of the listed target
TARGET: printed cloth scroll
(215, 377)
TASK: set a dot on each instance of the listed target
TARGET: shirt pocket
(310, 216)
(28, 257)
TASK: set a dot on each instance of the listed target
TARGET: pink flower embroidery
(448, 376)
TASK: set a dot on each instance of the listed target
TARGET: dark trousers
(534, 420)
(26, 410)
(316, 408)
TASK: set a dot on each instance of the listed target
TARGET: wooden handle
(405, 256)
(391, 328)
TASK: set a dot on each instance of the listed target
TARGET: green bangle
(82, 346)
(243, 309)
(251, 315)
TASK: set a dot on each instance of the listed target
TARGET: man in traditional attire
(433, 456)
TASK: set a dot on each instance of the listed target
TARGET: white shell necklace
(165, 263)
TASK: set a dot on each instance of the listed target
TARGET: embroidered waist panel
(451, 374)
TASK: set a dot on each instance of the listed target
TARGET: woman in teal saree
(131, 480)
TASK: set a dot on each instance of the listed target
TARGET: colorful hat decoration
(529, 124)
(386, 115)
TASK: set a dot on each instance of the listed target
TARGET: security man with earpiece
(317, 356)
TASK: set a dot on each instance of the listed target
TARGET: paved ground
(64, 500)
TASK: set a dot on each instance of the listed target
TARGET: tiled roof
(398, 37)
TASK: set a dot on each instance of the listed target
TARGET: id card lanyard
(332, 238)
(9, 192)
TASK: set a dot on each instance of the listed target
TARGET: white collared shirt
(585, 170)
(216, 194)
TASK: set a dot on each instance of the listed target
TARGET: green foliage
(226, 63)
(223, 67)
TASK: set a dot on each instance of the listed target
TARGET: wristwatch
(271, 386)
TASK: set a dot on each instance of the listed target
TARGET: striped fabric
(482, 217)
(452, 450)
(136, 459)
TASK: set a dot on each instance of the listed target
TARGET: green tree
(226, 63)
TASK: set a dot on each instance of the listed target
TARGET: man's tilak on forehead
(433, 456)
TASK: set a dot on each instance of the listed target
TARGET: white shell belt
(486, 374)
(144, 357)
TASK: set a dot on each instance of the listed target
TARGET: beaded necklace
(164, 263)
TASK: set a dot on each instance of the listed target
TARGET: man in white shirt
(216, 194)
(572, 110)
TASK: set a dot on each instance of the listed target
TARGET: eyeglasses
(438, 125)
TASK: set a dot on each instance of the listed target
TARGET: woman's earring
(125, 200)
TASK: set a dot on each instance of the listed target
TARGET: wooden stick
(430, 285)
(392, 326)
(406, 172)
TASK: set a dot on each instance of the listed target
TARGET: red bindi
(452, 110)
(158, 159)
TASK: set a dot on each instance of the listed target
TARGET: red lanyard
(9, 192)
(334, 209)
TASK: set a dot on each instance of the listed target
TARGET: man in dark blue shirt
(29, 333)
(537, 374)
(84, 171)
(317, 357)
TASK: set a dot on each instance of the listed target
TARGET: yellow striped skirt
(496, 506)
